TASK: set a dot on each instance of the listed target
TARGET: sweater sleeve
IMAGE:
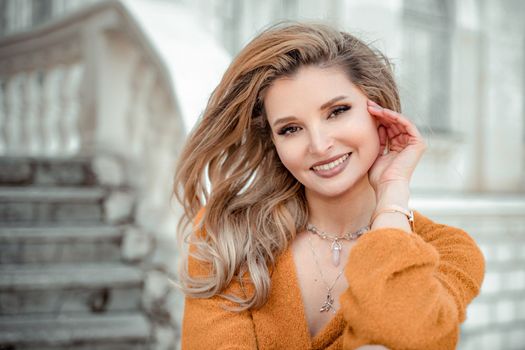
(410, 291)
(207, 324)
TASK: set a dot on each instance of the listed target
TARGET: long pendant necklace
(329, 301)
(337, 244)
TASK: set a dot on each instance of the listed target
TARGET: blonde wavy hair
(255, 207)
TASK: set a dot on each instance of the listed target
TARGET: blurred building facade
(119, 84)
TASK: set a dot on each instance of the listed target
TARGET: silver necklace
(329, 301)
(337, 243)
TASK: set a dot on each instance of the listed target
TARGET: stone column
(501, 99)
(465, 108)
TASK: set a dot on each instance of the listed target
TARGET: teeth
(331, 165)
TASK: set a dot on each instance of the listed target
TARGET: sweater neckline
(332, 329)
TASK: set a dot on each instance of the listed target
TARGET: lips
(339, 158)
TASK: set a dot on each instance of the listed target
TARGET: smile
(332, 165)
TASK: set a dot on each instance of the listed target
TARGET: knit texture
(406, 291)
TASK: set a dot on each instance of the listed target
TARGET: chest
(316, 274)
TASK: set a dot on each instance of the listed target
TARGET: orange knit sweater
(406, 291)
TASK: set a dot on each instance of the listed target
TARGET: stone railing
(22, 15)
(496, 318)
(117, 79)
(118, 82)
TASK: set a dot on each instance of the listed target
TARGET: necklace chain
(329, 302)
(349, 236)
(336, 248)
(337, 244)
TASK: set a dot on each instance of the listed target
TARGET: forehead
(309, 87)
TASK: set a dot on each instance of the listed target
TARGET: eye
(287, 130)
(338, 110)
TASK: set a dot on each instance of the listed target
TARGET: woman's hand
(405, 144)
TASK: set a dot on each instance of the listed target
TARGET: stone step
(35, 205)
(71, 331)
(58, 288)
(60, 244)
(25, 171)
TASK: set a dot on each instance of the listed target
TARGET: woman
(305, 240)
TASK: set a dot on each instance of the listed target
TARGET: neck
(348, 212)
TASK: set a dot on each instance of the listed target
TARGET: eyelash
(336, 111)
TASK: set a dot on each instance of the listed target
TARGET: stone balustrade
(118, 83)
(496, 318)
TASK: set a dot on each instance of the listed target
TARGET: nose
(320, 141)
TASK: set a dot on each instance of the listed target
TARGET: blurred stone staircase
(63, 283)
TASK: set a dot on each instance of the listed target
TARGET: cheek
(289, 154)
(373, 140)
(285, 157)
(363, 136)
(359, 131)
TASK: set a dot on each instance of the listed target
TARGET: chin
(335, 188)
(329, 192)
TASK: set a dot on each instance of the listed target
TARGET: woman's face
(319, 117)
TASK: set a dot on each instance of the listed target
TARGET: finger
(372, 102)
(400, 142)
(379, 113)
(382, 139)
(402, 121)
(375, 105)
(404, 125)
(391, 132)
(390, 118)
(386, 112)
(395, 130)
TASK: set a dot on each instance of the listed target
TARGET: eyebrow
(323, 107)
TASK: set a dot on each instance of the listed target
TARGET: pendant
(336, 253)
(328, 303)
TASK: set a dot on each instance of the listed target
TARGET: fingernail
(377, 108)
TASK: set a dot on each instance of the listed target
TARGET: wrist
(390, 215)
(394, 193)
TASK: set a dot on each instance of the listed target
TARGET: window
(426, 65)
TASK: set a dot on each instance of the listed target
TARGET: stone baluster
(3, 118)
(31, 101)
(22, 115)
(71, 108)
(13, 107)
(51, 110)
(138, 112)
